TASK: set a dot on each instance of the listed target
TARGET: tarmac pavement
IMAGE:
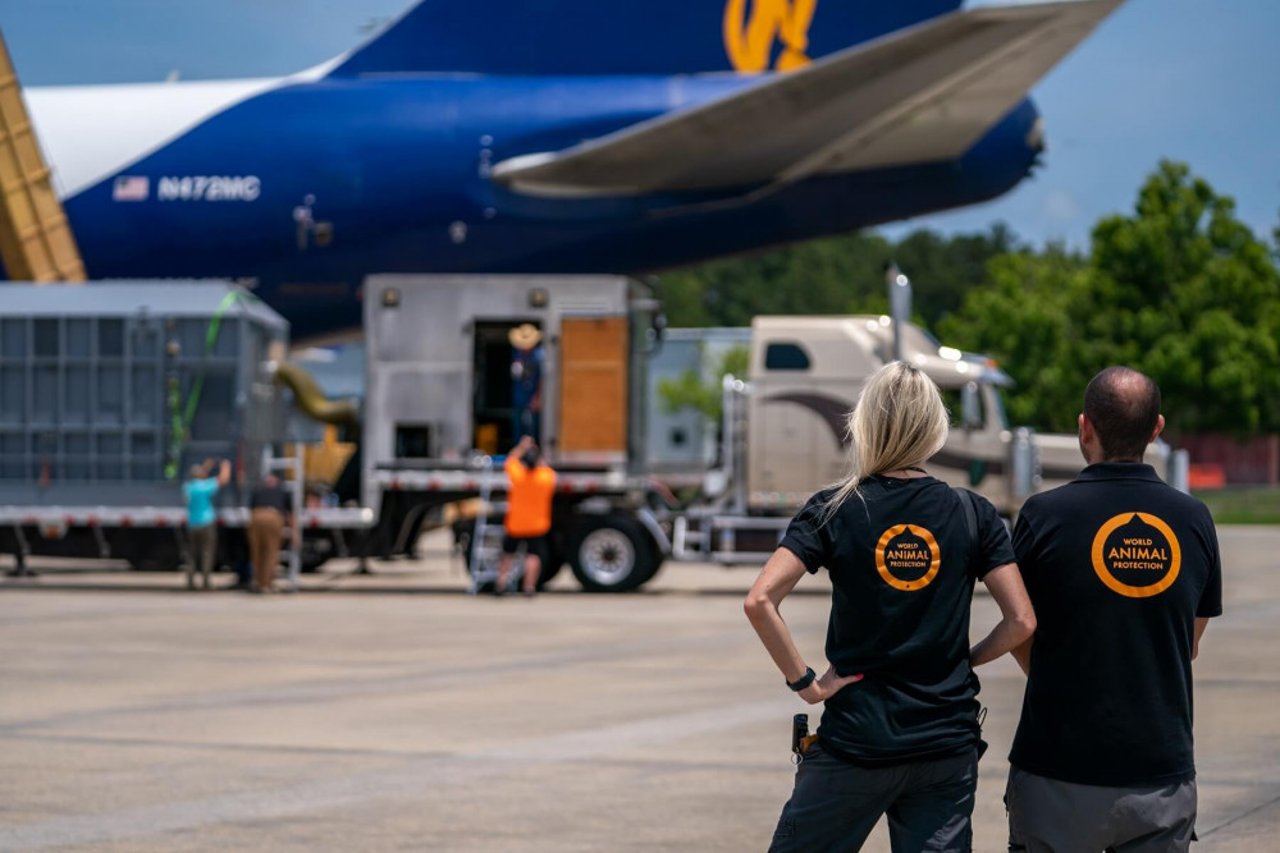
(394, 712)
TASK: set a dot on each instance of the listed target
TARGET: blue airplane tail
(585, 37)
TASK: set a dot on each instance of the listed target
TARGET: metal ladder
(292, 465)
(486, 539)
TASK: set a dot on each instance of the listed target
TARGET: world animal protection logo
(908, 557)
(749, 40)
(1136, 555)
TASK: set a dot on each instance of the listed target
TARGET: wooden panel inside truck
(593, 387)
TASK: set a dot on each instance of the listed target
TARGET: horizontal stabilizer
(924, 94)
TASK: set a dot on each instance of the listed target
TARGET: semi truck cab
(806, 374)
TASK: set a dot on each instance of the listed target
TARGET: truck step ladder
(486, 538)
(294, 467)
(36, 243)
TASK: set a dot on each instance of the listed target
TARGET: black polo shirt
(1118, 565)
(901, 587)
(271, 497)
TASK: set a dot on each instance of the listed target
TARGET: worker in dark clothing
(526, 381)
(1124, 573)
(270, 511)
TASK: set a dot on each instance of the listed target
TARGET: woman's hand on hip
(826, 686)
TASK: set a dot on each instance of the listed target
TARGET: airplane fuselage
(308, 185)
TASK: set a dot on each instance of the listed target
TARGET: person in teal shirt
(199, 491)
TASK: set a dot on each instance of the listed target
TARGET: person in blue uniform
(526, 381)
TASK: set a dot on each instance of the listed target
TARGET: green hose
(180, 419)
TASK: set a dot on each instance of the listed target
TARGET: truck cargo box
(109, 392)
(440, 366)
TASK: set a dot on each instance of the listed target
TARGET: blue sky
(1195, 80)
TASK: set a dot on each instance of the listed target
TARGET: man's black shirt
(902, 584)
(271, 497)
(1118, 565)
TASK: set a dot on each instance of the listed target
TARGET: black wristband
(803, 681)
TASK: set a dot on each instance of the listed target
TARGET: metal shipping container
(109, 392)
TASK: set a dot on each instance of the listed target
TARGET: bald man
(1124, 574)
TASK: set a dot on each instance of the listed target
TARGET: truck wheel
(316, 551)
(155, 564)
(612, 553)
(555, 560)
(150, 552)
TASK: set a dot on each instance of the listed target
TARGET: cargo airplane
(559, 136)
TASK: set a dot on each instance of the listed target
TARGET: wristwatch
(803, 681)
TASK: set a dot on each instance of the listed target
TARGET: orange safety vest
(529, 499)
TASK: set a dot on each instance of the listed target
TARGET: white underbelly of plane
(89, 133)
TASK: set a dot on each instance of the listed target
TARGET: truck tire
(155, 563)
(557, 560)
(152, 552)
(316, 550)
(612, 553)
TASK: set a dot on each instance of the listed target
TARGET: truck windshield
(996, 402)
(953, 398)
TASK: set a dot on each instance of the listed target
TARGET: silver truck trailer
(438, 409)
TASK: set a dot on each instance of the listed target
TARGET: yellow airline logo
(749, 40)
(1136, 555)
(908, 557)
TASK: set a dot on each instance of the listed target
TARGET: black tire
(316, 550)
(612, 553)
(155, 564)
(555, 559)
(151, 551)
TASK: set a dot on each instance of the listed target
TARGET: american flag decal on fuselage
(131, 188)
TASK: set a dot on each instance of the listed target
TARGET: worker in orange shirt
(533, 484)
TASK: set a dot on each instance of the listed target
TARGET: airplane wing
(922, 94)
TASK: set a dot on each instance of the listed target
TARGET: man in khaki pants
(270, 509)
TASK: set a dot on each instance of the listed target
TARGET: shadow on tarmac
(62, 581)
(389, 578)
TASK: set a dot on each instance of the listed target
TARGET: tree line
(1178, 288)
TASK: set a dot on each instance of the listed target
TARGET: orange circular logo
(908, 557)
(1136, 555)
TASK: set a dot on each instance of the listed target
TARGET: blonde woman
(900, 734)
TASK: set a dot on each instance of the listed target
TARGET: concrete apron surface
(394, 712)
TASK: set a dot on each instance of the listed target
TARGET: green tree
(1179, 289)
(943, 269)
(837, 275)
(834, 276)
(1275, 240)
(1193, 298)
(1021, 316)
